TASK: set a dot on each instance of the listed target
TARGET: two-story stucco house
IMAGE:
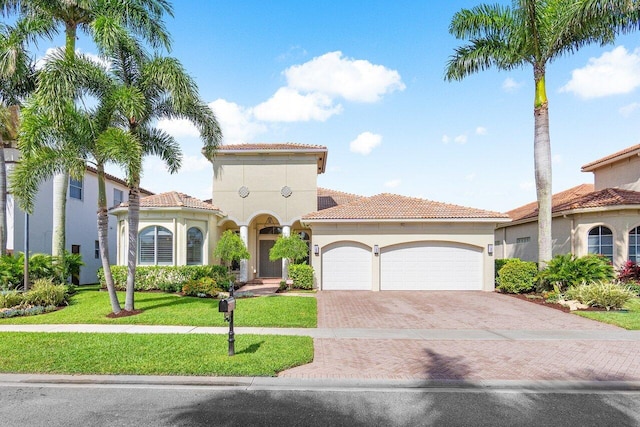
(81, 221)
(262, 191)
(600, 218)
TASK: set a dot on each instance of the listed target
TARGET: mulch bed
(537, 299)
(124, 313)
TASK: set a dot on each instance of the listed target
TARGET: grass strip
(89, 305)
(151, 354)
(628, 320)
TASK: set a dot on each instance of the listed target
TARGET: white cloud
(106, 64)
(627, 110)
(446, 139)
(289, 105)
(613, 73)
(461, 139)
(194, 163)
(365, 143)
(178, 128)
(393, 183)
(337, 76)
(480, 130)
(557, 159)
(237, 123)
(510, 85)
(470, 177)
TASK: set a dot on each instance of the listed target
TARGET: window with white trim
(600, 242)
(634, 245)
(75, 189)
(195, 240)
(155, 246)
(118, 197)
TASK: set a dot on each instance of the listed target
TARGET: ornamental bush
(517, 276)
(167, 278)
(568, 270)
(44, 293)
(600, 294)
(203, 287)
(302, 275)
(10, 299)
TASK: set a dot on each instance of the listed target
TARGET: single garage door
(346, 266)
(431, 266)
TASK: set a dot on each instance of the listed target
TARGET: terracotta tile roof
(622, 154)
(173, 199)
(287, 146)
(393, 206)
(580, 198)
(330, 198)
(530, 210)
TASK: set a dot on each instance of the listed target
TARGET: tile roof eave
(124, 208)
(575, 211)
(634, 150)
(416, 220)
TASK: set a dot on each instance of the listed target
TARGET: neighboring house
(600, 218)
(262, 191)
(81, 219)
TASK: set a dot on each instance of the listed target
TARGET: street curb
(272, 383)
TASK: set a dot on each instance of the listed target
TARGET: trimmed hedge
(517, 276)
(167, 278)
(302, 275)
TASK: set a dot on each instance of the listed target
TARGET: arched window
(601, 242)
(634, 245)
(271, 230)
(155, 246)
(194, 246)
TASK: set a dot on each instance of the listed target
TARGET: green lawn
(89, 305)
(628, 320)
(151, 354)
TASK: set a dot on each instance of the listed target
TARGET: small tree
(231, 248)
(291, 248)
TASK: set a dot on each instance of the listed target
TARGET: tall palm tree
(95, 140)
(16, 81)
(154, 88)
(107, 22)
(533, 33)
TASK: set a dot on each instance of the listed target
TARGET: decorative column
(286, 232)
(244, 263)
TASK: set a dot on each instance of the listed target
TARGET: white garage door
(346, 266)
(431, 266)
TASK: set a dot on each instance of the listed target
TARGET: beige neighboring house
(262, 191)
(601, 218)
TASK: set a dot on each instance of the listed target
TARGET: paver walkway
(483, 336)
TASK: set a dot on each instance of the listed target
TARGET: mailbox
(227, 305)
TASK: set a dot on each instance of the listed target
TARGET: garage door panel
(346, 266)
(431, 266)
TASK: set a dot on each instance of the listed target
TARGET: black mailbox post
(227, 306)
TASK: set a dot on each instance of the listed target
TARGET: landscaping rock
(573, 304)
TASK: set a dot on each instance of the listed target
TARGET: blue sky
(365, 79)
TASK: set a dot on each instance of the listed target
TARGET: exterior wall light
(490, 249)
(376, 250)
(316, 250)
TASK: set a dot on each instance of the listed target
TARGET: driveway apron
(501, 358)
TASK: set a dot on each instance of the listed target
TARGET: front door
(269, 268)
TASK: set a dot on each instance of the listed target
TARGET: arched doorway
(266, 239)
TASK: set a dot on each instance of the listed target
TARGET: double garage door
(409, 266)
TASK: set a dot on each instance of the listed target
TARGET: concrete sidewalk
(349, 333)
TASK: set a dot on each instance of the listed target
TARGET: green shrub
(600, 294)
(205, 286)
(517, 276)
(552, 296)
(302, 275)
(499, 263)
(10, 299)
(166, 278)
(44, 292)
(568, 270)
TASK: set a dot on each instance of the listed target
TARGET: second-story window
(118, 197)
(75, 189)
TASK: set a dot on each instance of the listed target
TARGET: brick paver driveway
(499, 358)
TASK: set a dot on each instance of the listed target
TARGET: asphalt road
(152, 405)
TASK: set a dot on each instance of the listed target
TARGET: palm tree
(107, 22)
(531, 32)
(16, 80)
(153, 88)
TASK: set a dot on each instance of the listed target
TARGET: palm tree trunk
(3, 201)
(60, 183)
(134, 219)
(542, 166)
(103, 239)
